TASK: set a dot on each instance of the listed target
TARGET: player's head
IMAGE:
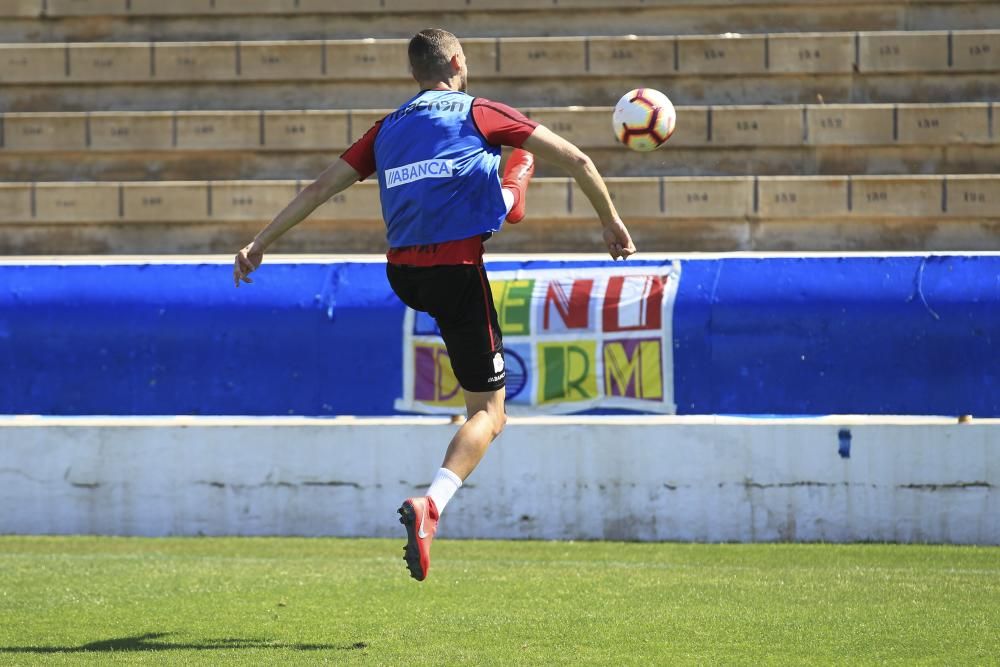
(436, 55)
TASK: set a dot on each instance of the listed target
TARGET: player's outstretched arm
(335, 178)
(549, 146)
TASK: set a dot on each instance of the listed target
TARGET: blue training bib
(438, 177)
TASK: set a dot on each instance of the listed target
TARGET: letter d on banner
(434, 381)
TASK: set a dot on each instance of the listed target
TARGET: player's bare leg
(420, 515)
(486, 419)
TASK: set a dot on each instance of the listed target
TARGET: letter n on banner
(633, 303)
(567, 304)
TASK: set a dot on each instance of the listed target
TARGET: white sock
(508, 199)
(443, 487)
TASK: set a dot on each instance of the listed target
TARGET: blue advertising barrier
(791, 336)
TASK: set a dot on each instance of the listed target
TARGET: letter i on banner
(633, 303)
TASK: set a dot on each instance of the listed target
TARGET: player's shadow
(149, 642)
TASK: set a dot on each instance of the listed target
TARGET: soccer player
(437, 158)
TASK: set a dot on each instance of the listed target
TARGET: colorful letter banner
(574, 340)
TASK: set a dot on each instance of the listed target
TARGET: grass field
(84, 600)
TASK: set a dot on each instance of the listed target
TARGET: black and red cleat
(516, 175)
(420, 516)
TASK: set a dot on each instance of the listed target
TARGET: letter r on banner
(567, 372)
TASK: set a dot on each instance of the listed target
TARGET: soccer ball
(644, 119)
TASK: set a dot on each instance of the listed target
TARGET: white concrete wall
(659, 478)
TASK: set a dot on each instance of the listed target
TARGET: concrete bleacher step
(665, 214)
(927, 66)
(125, 20)
(163, 139)
(777, 139)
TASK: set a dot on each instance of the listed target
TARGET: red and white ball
(644, 119)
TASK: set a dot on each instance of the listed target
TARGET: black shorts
(459, 299)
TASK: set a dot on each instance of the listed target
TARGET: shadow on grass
(148, 642)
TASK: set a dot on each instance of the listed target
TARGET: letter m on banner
(633, 369)
(633, 303)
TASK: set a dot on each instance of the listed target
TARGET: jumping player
(437, 158)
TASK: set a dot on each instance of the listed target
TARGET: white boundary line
(43, 421)
(107, 260)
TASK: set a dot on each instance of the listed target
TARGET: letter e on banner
(512, 299)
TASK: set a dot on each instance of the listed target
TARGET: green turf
(279, 601)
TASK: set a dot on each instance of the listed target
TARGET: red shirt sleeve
(500, 124)
(361, 155)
